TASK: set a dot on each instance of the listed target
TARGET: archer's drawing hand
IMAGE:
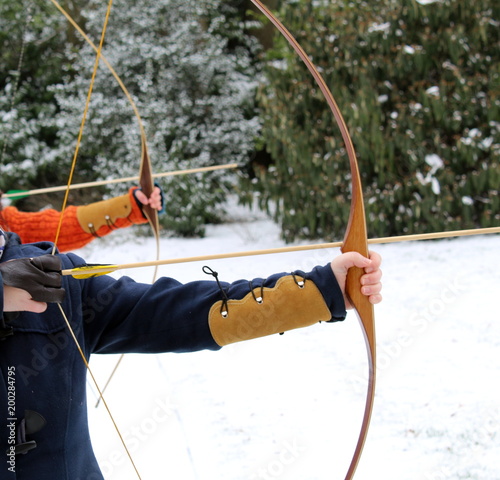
(28, 281)
(19, 300)
(370, 281)
(155, 201)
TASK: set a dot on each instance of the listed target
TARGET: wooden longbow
(355, 239)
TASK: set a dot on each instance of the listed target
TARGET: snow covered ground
(289, 407)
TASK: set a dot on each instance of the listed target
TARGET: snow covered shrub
(32, 54)
(418, 85)
(188, 66)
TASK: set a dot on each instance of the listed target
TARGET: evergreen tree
(418, 84)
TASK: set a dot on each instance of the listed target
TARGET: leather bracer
(104, 213)
(291, 303)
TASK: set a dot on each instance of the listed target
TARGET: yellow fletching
(89, 271)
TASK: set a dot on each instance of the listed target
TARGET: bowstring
(82, 126)
(58, 231)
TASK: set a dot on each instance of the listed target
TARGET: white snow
(289, 407)
(434, 90)
(380, 27)
(428, 2)
(436, 163)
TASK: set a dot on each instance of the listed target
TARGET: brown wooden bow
(355, 239)
(147, 185)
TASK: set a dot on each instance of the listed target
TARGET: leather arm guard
(292, 303)
(111, 214)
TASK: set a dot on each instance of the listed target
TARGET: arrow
(17, 194)
(93, 270)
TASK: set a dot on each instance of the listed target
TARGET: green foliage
(418, 86)
(199, 199)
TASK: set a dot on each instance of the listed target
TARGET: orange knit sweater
(39, 226)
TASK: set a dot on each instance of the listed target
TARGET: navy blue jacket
(41, 369)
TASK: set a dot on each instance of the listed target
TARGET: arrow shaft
(295, 248)
(99, 183)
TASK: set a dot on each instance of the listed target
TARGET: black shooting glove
(39, 276)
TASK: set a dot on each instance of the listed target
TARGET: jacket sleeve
(121, 316)
(81, 224)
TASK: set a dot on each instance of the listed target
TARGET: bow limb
(355, 238)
